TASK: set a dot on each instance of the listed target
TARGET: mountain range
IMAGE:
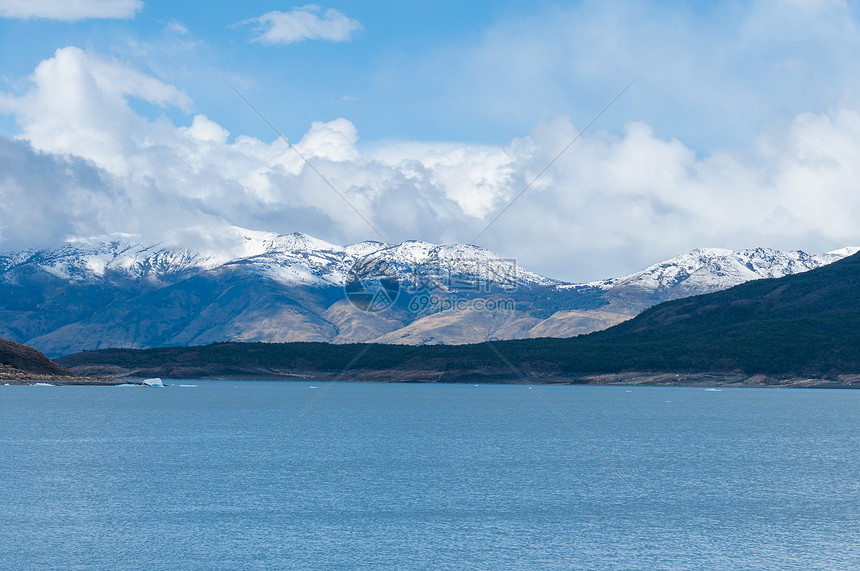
(801, 330)
(119, 291)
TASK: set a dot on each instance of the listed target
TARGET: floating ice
(43, 385)
(156, 382)
(187, 385)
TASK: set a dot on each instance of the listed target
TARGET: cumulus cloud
(87, 164)
(69, 9)
(310, 22)
(46, 199)
(79, 105)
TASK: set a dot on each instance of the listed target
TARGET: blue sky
(738, 131)
(483, 71)
(398, 77)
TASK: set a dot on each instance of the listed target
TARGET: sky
(740, 127)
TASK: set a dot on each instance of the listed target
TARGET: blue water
(428, 477)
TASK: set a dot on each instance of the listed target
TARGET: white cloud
(333, 141)
(307, 23)
(78, 106)
(611, 205)
(69, 9)
(178, 27)
(203, 129)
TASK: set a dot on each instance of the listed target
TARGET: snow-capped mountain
(119, 291)
(293, 259)
(706, 270)
(121, 254)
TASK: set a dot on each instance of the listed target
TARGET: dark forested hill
(806, 323)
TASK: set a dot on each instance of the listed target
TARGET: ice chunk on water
(156, 382)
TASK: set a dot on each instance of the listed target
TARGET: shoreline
(113, 375)
(22, 378)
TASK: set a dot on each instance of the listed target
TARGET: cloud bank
(86, 163)
(69, 9)
(307, 23)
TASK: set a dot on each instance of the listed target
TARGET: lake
(412, 476)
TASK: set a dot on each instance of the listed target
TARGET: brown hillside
(28, 359)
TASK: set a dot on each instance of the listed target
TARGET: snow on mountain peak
(366, 248)
(256, 243)
(300, 259)
(82, 259)
(834, 255)
(706, 270)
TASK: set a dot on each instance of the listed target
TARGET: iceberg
(156, 382)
